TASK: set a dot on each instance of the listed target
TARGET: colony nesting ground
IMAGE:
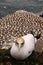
(18, 24)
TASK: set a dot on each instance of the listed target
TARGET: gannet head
(19, 42)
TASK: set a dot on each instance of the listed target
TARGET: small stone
(2, 63)
(8, 63)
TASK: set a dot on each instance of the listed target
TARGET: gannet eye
(16, 43)
(22, 44)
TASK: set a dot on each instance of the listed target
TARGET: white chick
(23, 47)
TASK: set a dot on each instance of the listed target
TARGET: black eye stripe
(17, 43)
(22, 43)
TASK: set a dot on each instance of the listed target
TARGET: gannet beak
(19, 45)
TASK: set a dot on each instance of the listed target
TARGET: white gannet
(23, 47)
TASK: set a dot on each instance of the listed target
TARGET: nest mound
(18, 24)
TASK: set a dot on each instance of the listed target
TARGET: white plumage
(23, 47)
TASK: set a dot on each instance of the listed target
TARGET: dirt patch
(39, 46)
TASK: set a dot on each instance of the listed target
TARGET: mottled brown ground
(18, 24)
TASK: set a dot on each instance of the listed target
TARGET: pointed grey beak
(19, 45)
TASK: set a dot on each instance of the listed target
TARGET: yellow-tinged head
(19, 42)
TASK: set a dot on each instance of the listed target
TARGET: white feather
(26, 50)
